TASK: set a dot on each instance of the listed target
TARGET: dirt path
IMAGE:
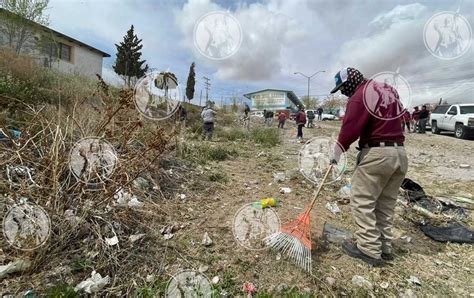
(434, 163)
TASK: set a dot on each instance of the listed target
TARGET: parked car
(257, 114)
(458, 118)
(324, 116)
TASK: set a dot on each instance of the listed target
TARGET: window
(441, 109)
(467, 110)
(453, 110)
(58, 50)
(64, 52)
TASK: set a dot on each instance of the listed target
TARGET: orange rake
(294, 238)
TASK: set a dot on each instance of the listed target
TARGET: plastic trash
(453, 232)
(279, 177)
(345, 191)
(267, 202)
(333, 207)
(335, 235)
(285, 190)
(13, 267)
(93, 284)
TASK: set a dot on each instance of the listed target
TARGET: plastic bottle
(267, 202)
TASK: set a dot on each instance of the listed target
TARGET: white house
(49, 47)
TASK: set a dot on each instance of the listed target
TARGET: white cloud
(266, 33)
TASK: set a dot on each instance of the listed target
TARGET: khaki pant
(375, 184)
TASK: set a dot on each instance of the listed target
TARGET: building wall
(83, 60)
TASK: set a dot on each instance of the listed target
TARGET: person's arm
(355, 120)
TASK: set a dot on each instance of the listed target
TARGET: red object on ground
(249, 288)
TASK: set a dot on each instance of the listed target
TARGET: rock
(414, 280)
(15, 266)
(281, 287)
(206, 240)
(135, 237)
(362, 282)
(279, 177)
(384, 285)
(215, 280)
(92, 284)
(331, 281)
(203, 268)
(285, 190)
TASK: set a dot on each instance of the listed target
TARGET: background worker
(300, 123)
(424, 115)
(311, 117)
(320, 113)
(381, 167)
(281, 120)
(406, 119)
(208, 116)
(416, 118)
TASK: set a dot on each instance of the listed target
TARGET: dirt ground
(442, 269)
(208, 200)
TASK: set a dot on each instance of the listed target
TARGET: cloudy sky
(281, 37)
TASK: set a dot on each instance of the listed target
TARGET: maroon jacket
(359, 124)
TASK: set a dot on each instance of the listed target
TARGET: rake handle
(319, 188)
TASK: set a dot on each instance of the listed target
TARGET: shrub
(204, 153)
(266, 136)
(231, 133)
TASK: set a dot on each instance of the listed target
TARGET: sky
(279, 38)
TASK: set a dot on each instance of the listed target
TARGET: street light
(309, 77)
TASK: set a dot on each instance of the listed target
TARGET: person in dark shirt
(424, 115)
(381, 164)
(416, 119)
(320, 114)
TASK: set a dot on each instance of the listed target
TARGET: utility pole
(207, 86)
(309, 78)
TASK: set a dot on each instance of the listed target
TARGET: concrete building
(274, 100)
(49, 47)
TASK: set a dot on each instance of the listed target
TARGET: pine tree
(191, 82)
(127, 62)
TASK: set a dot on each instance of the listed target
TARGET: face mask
(354, 79)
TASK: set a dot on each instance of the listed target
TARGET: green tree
(127, 61)
(18, 29)
(310, 102)
(191, 82)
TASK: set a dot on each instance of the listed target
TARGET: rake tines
(294, 239)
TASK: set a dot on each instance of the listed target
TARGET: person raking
(381, 167)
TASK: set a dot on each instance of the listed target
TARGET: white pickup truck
(458, 118)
